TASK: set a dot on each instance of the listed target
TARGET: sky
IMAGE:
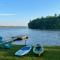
(20, 12)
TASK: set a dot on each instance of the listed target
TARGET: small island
(48, 22)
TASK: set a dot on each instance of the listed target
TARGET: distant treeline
(48, 22)
(13, 27)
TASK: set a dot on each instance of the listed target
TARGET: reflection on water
(42, 37)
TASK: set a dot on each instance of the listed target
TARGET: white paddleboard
(24, 50)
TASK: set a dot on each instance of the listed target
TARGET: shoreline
(51, 53)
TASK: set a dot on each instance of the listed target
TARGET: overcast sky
(19, 12)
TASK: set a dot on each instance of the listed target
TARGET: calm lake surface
(43, 37)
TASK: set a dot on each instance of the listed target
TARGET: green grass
(51, 53)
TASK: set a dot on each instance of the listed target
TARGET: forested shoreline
(48, 22)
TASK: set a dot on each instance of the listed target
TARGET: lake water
(43, 37)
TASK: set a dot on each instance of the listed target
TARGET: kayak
(37, 50)
(23, 51)
(21, 37)
(5, 44)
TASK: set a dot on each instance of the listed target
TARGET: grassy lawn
(51, 53)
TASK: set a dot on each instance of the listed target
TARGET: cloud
(7, 14)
